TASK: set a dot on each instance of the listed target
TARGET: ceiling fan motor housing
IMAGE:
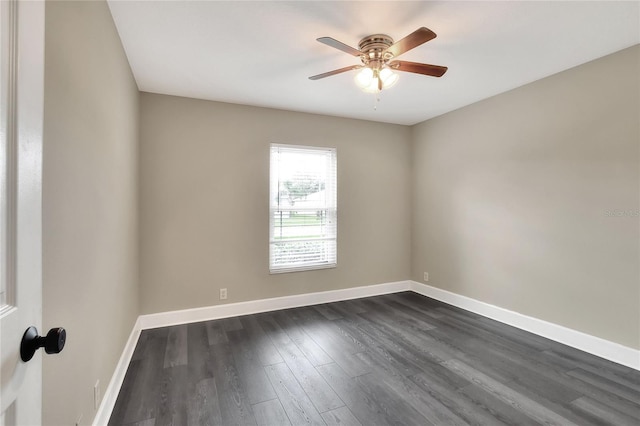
(373, 49)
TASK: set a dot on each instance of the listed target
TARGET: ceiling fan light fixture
(364, 78)
(388, 77)
(372, 87)
(367, 79)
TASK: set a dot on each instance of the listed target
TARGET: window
(303, 210)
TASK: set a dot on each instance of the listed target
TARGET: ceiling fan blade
(418, 68)
(339, 45)
(334, 72)
(415, 39)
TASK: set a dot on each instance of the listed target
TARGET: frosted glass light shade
(367, 79)
(388, 77)
(364, 77)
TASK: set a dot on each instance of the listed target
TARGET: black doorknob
(53, 342)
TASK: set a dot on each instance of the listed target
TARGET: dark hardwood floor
(393, 359)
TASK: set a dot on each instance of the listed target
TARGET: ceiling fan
(377, 53)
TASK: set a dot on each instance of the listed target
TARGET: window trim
(273, 208)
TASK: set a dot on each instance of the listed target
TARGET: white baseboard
(585, 342)
(576, 339)
(111, 393)
(164, 319)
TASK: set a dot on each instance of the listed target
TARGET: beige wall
(204, 209)
(512, 194)
(90, 205)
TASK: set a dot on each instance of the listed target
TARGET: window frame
(330, 208)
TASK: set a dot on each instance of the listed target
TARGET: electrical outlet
(426, 276)
(96, 395)
(223, 294)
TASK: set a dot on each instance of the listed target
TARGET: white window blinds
(303, 208)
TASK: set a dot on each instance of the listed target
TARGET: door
(22, 80)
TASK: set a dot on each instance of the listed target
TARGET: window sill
(302, 268)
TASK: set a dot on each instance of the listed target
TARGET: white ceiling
(262, 52)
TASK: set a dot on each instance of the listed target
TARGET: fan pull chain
(376, 101)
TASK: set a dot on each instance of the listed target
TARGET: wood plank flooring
(393, 359)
